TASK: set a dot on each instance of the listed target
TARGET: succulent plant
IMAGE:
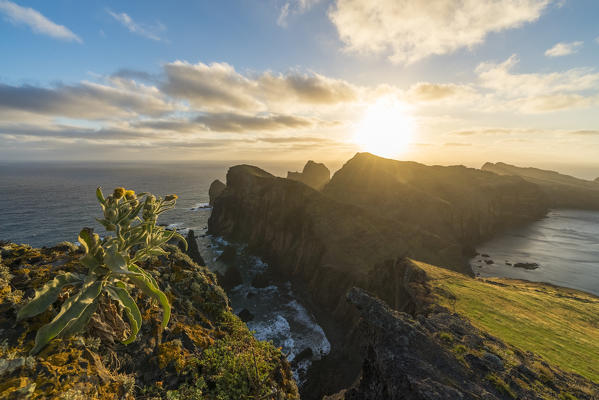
(112, 267)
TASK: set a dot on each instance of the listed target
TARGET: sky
(440, 82)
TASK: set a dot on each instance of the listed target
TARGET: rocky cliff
(459, 204)
(562, 191)
(216, 188)
(205, 352)
(315, 175)
(440, 355)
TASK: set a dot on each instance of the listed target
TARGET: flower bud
(171, 197)
(130, 195)
(119, 192)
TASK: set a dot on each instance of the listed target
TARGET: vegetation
(112, 267)
(558, 324)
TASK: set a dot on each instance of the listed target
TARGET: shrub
(112, 267)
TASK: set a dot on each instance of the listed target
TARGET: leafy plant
(112, 267)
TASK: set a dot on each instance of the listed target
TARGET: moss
(206, 352)
(446, 337)
(172, 353)
(500, 385)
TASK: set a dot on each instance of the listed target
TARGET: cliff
(562, 191)
(440, 355)
(205, 351)
(216, 188)
(459, 204)
(315, 175)
(328, 241)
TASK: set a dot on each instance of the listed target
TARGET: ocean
(42, 204)
(564, 244)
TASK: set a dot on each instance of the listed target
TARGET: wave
(201, 206)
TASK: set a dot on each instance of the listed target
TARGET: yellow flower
(130, 194)
(119, 192)
(171, 197)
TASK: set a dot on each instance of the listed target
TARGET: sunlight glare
(386, 129)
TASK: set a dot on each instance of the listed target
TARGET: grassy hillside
(559, 324)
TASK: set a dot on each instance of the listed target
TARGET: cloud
(228, 122)
(150, 32)
(410, 30)
(218, 87)
(539, 92)
(564, 49)
(86, 100)
(36, 21)
(294, 7)
(435, 92)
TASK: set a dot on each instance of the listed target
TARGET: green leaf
(149, 286)
(86, 238)
(115, 260)
(48, 295)
(121, 295)
(77, 325)
(181, 239)
(73, 308)
(100, 196)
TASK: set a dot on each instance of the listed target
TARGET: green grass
(561, 325)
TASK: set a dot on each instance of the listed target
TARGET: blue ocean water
(42, 204)
(565, 244)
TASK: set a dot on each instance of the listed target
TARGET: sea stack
(216, 188)
(315, 175)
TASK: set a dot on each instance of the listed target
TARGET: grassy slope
(559, 324)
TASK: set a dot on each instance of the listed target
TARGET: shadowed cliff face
(315, 175)
(461, 204)
(562, 191)
(309, 238)
(373, 211)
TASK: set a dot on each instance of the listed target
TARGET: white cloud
(36, 21)
(294, 7)
(150, 32)
(563, 49)
(410, 30)
(501, 78)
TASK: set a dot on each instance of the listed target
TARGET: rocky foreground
(206, 352)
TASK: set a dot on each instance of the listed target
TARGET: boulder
(215, 190)
(315, 175)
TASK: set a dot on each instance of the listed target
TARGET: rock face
(216, 188)
(315, 175)
(562, 191)
(356, 231)
(442, 356)
(457, 203)
(316, 241)
(193, 250)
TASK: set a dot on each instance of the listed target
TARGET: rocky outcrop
(315, 175)
(204, 352)
(597, 179)
(562, 191)
(193, 251)
(460, 204)
(216, 188)
(313, 240)
(442, 356)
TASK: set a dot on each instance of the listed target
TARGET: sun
(386, 129)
